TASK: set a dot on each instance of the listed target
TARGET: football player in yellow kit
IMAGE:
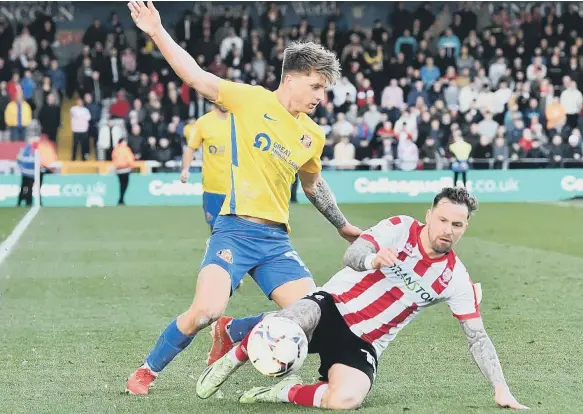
(212, 132)
(272, 138)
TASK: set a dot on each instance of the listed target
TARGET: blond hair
(305, 57)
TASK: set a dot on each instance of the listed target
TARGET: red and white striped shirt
(377, 304)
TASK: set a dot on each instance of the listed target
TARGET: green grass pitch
(86, 293)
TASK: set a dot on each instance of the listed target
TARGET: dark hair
(457, 195)
(307, 57)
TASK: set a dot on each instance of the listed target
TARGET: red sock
(241, 349)
(307, 395)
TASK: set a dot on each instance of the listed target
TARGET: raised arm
(484, 353)
(148, 20)
(320, 195)
(370, 250)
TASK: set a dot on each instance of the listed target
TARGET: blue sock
(241, 327)
(170, 344)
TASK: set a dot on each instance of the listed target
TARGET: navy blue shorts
(212, 204)
(264, 251)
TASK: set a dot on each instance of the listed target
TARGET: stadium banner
(165, 189)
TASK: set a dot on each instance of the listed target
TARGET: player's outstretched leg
(306, 313)
(216, 374)
(227, 331)
(212, 295)
(346, 390)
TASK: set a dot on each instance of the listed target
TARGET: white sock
(284, 393)
(151, 370)
(319, 395)
(233, 357)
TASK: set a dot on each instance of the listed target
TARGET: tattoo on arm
(482, 349)
(305, 313)
(356, 254)
(322, 198)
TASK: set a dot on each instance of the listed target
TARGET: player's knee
(343, 399)
(198, 318)
(209, 315)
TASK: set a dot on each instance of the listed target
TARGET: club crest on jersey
(445, 277)
(408, 248)
(226, 255)
(306, 141)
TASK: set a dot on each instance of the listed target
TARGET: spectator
(464, 60)
(121, 107)
(94, 109)
(430, 154)
(536, 71)
(416, 93)
(24, 44)
(136, 141)
(175, 141)
(153, 105)
(163, 154)
(365, 94)
(526, 141)
(537, 151)
(49, 118)
(372, 117)
(110, 132)
(232, 41)
(13, 86)
(28, 86)
(429, 73)
(154, 127)
(407, 152)
(342, 128)
(94, 33)
(555, 115)
(80, 118)
(344, 152)
(138, 113)
(497, 70)
(361, 131)
(58, 79)
(407, 45)
(558, 152)
(482, 151)
(488, 126)
(18, 116)
(572, 101)
(392, 96)
(451, 43)
(41, 94)
(4, 100)
(575, 145)
(500, 152)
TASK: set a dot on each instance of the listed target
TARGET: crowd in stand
(412, 85)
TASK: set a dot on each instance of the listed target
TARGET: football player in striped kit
(393, 271)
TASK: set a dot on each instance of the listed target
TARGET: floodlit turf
(87, 291)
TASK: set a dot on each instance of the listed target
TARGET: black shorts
(336, 343)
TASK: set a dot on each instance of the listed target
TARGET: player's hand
(349, 232)
(145, 17)
(184, 176)
(386, 257)
(505, 399)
